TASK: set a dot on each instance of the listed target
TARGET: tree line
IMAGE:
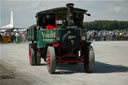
(106, 25)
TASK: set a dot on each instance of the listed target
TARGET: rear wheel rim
(29, 54)
(48, 60)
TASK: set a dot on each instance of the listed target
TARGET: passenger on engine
(49, 23)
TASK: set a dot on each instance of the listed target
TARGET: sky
(24, 11)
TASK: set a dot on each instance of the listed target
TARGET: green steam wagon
(59, 37)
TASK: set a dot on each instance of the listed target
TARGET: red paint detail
(59, 59)
(48, 55)
(50, 27)
(29, 54)
(70, 61)
(69, 55)
(55, 44)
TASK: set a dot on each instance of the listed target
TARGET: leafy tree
(106, 25)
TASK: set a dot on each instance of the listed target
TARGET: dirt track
(111, 67)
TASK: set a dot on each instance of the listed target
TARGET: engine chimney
(70, 13)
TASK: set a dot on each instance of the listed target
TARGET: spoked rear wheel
(38, 59)
(32, 55)
(51, 60)
(89, 60)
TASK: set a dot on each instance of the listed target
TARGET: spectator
(104, 35)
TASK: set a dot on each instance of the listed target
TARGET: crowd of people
(15, 37)
(105, 35)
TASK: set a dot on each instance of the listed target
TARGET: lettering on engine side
(49, 35)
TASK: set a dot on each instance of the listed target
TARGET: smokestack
(70, 5)
(69, 12)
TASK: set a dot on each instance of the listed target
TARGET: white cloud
(25, 10)
(117, 9)
(64, 0)
(36, 4)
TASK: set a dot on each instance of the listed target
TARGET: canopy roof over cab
(58, 16)
(61, 10)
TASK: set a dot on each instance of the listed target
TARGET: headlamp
(83, 38)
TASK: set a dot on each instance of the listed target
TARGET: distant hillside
(106, 25)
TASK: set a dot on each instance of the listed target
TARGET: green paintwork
(44, 37)
(31, 34)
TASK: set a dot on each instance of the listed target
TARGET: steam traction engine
(59, 37)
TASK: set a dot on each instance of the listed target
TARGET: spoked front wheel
(89, 60)
(51, 60)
